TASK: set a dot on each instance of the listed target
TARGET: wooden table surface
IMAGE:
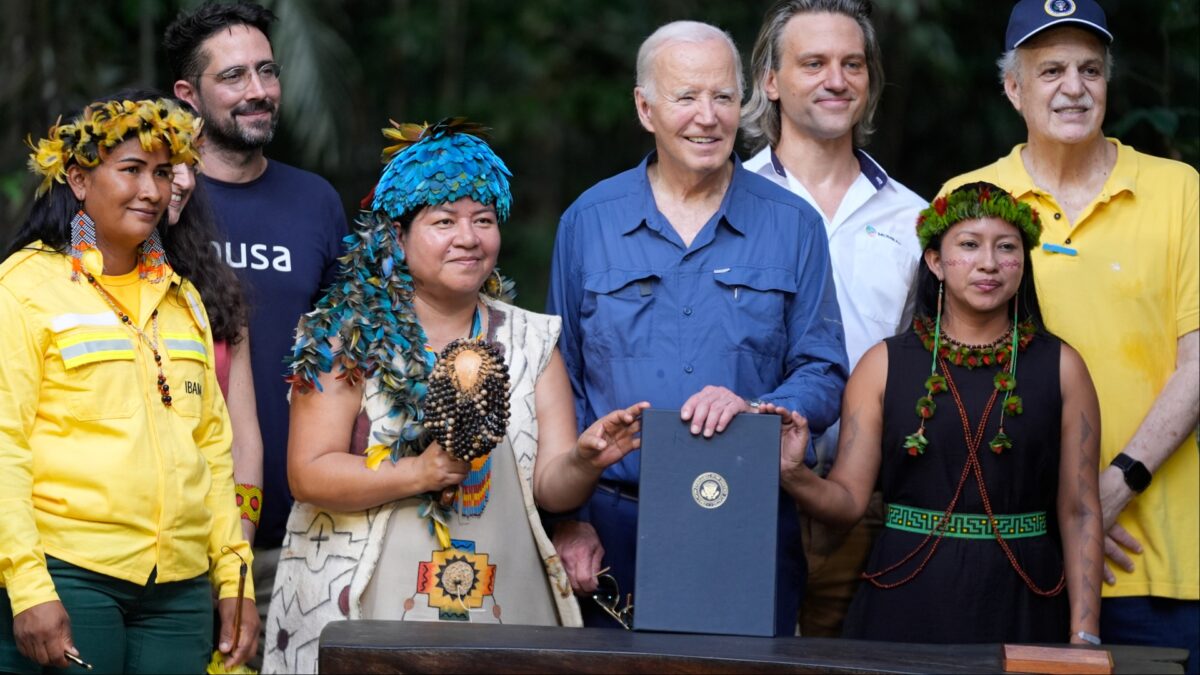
(417, 647)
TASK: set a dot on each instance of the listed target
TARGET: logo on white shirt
(872, 232)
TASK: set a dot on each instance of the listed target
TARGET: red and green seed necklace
(946, 350)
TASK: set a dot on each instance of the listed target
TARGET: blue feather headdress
(438, 164)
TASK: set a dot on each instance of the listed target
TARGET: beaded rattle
(466, 409)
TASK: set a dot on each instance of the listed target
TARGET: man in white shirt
(818, 78)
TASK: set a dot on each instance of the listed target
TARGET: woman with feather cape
(401, 513)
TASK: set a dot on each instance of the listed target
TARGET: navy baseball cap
(1030, 17)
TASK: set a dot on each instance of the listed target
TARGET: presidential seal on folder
(707, 526)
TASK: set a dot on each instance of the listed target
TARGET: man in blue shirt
(691, 283)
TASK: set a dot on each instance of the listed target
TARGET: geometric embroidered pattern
(966, 525)
(456, 580)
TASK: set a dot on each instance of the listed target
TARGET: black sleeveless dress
(968, 591)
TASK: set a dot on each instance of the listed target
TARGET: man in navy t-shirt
(282, 226)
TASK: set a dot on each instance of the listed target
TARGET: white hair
(693, 32)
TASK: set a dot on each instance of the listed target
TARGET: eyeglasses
(608, 596)
(238, 78)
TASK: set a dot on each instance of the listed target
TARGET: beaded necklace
(992, 346)
(475, 333)
(998, 352)
(164, 388)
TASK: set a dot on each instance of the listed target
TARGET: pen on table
(78, 661)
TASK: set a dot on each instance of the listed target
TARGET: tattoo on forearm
(849, 427)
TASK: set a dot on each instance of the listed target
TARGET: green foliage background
(554, 80)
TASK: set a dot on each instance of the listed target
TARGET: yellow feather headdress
(157, 123)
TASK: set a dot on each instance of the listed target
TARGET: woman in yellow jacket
(117, 510)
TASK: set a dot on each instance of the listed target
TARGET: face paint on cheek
(1010, 264)
(955, 262)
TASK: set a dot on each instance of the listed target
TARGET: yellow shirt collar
(1011, 171)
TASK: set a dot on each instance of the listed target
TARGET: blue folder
(707, 527)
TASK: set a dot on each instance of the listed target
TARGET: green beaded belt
(966, 525)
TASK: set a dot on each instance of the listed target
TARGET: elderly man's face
(1059, 86)
(694, 113)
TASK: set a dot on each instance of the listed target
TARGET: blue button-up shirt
(749, 306)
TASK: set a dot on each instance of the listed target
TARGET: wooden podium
(415, 647)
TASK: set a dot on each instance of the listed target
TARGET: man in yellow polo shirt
(1118, 278)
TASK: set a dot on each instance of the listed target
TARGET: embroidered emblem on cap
(1060, 8)
(710, 490)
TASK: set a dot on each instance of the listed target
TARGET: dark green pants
(121, 627)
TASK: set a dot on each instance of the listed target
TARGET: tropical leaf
(318, 69)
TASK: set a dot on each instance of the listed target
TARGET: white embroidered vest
(328, 557)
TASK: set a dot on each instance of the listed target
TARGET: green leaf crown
(978, 200)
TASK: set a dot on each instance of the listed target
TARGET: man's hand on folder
(712, 409)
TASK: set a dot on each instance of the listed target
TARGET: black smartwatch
(1137, 476)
